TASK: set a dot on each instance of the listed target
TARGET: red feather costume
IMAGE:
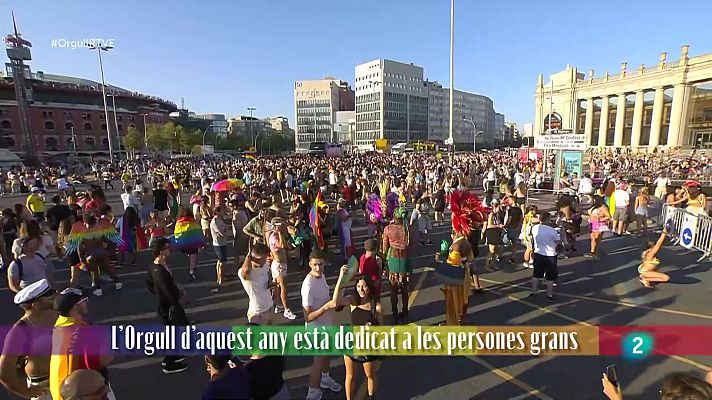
(467, 211)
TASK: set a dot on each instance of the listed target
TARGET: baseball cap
(67, 299)
(35, 189)
(34, 291)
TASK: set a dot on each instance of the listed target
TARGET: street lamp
(116, 121)
(206, 131)
(99, 49)
(253, 140)
(475, 132)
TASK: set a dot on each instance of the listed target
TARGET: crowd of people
(267, 216)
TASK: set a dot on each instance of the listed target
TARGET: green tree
(156, 138)
(132, 140)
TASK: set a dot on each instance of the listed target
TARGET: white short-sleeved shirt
(545, 239)
(622, 198)
(257, 288)
(315, 293)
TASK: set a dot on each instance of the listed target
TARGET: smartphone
(612, 375)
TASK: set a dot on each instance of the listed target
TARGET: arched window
(103, 127)
(5, 124)
(89, 142)
(104, 142)
(70, 143)
(51, 144)
(87, 126)
(121, 128)
(10, 142)
(132, 126)
(68, 126)
(49, 125)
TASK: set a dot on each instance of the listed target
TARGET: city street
(604, 292)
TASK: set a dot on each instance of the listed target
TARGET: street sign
(571, 141)
(688, 229)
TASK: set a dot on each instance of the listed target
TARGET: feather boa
(467, 211)
(373, 208)
(392, 202)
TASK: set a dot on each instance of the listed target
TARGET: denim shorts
(221, 253)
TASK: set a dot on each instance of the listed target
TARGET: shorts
(642, 211)
(205, 224)
(545, 266)
(263, 318)
(278, 269)
(494, 236)
(163, 213)
(512, 235)
(221, 253)
(397, 265)
(620, 215)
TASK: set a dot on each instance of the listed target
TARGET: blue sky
(224, 56)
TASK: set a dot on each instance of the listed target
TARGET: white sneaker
(118, 285)
(314, 394)
(278, 309)
(328, 382)
(97, 292)
(289, 314)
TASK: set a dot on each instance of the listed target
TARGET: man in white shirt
(318, 311)
(256, 279)
(620, 215)
(130, 200)
(545, 238)
(585, 189)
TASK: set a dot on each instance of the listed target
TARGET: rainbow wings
(80, 232)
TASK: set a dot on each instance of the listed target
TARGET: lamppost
(116, 121)
(99, 49)
(253, 140)
(145, 134)
(206, 131)
(475, 132)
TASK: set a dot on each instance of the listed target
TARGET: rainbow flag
(249, 157)
(314, 220)
(133, 239)
(187, 235)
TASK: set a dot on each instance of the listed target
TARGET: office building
(315, 105)
(391, 103)
(345, 128)
(471, 106)
(668, 105)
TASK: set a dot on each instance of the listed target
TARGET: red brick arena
(62, 106)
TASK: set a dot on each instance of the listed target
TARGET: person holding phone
(611, 387)
(256, 279)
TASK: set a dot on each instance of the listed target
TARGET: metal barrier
(673, 218)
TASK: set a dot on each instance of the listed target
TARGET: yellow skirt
(457, 298)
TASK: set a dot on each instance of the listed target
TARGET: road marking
(507, 377)
(622, 303)
(584, 323)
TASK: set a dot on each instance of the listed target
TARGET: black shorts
(494, 236)
(545, 266)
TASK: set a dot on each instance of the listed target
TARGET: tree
(156, 138)
(132, 140)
